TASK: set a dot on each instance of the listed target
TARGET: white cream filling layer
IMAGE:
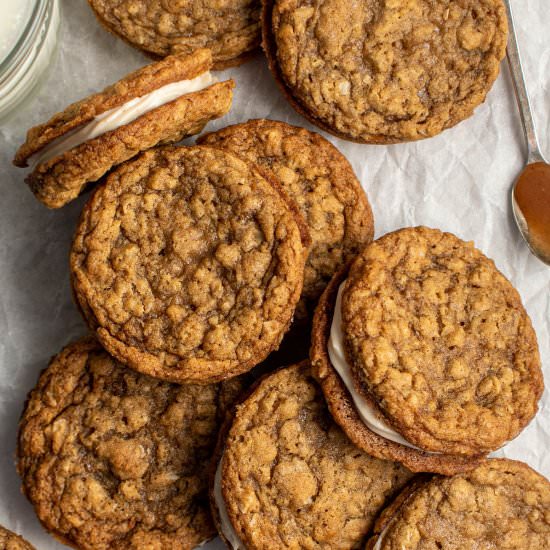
(339, 362)
(225, 523)
(120, 116)
(381, 536)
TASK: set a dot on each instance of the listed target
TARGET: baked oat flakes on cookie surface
(230, 28)
(501, 504)
(425, 352)
(111, 458)
(188, 264)
(379, 71)
(161, 103)
(321, 182)
(288, 477)
(11, 541)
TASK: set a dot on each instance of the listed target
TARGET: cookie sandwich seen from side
(160, 103)
(288, 477)
(425, 352)
(188, 264)
(385, 72)
(113, 459)
(501, 504)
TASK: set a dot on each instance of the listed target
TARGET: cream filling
(339, 362)
(120, 116)
(225, 523)
(381, 536)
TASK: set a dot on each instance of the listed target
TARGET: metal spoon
(531, 191)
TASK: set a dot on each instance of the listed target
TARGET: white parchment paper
(459, 181)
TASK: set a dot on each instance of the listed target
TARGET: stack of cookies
(191, 265)
(202, 272)
(423, 361)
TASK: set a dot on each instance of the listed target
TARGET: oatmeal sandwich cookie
(160, 103)
(501, 504)
(230, 28)
(378, 71)
(288, 477)
(425, 352)
(11, 541)
(113, 459)
(188, 264)
(321, 182)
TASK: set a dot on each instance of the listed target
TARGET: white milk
(14, 15)
(22, 75)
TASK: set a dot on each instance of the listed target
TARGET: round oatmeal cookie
(188, 264)
(230, 28)
(78, 146)
(501, 504)
(321, 182)
(378, 71)
(438, 339)
(113, 459)
(344, 411)
(11, 541)
(290, 478)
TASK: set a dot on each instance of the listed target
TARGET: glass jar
(29, 31)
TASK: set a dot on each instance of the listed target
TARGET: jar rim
(26, 40)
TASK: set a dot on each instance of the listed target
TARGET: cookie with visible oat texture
(501, 504)
(288, 477)
(113, 459)
(385, 72)
(230, 28)
(188, 264)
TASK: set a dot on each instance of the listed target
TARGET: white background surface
(459, 181)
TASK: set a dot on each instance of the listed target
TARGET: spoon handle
(514, 61)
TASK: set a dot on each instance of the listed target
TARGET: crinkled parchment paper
(459, 181)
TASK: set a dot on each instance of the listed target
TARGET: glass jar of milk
(28, 39)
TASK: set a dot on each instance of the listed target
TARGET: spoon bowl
(531, 208)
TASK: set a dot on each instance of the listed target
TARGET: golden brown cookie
(230, 28)
(385, 72)
(426, 354)
(321, 182)
(11, 541)
(113, 459)
(188, 264)
(160, 103)
(501, 504)
(290, 478)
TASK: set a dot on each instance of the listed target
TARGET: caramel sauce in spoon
(532, 200)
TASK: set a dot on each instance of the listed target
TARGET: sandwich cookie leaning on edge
(425, 353)
(160, 103)
(113, 459)
(230, 28)
(385, 72)
(320, 180)
(501, 504)
(188, 264)
(288, 477)
(11, 541)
